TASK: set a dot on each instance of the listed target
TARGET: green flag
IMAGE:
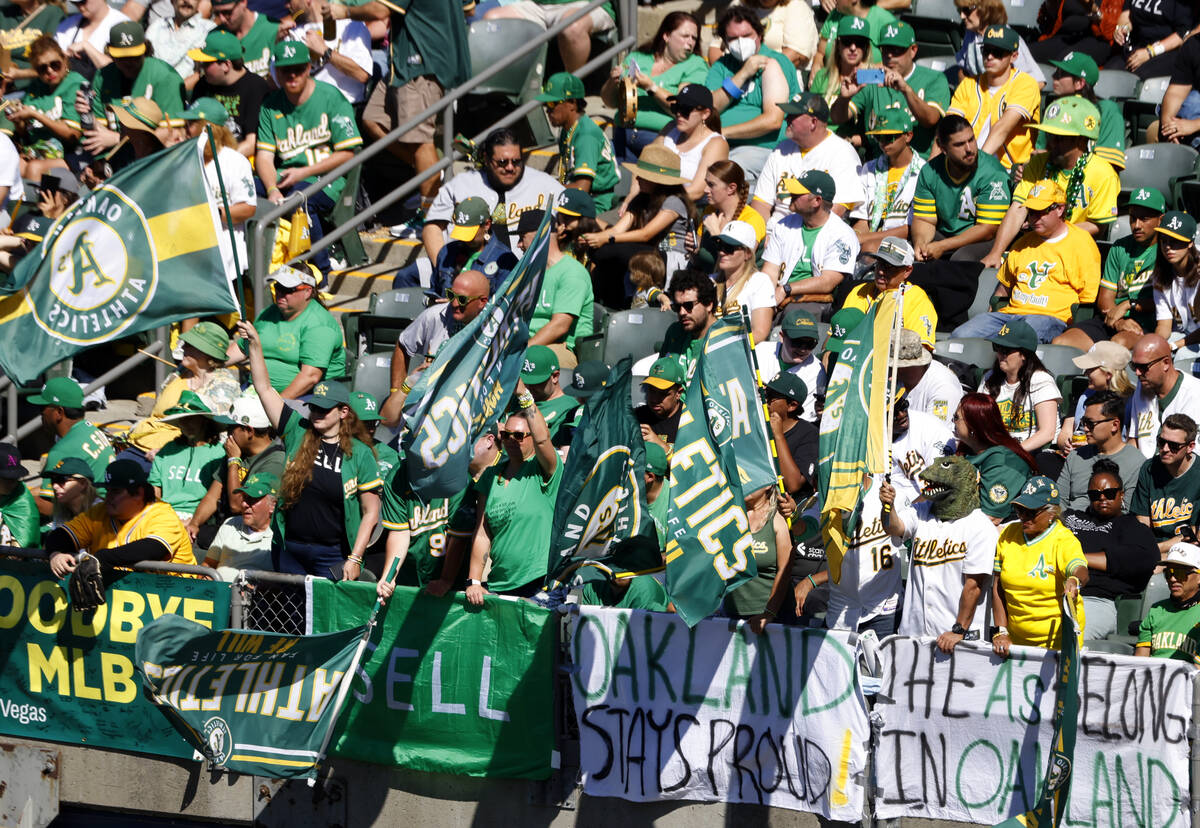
(465, 390)
(252, 702)
(144, 249)
(602, 498)
(708, 534)
(1056, 787)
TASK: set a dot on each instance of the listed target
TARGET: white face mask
(742, 48)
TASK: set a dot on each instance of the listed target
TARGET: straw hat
(657, 164)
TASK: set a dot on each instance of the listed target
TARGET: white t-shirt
(238, 177)
(1175, 303)
(758, 292)
(942, 553)
(835, 247)
(834, 155)
(938, 393)
(927, 439)
(1021, 425)
(534, 191)
(874, 178)
(10, 170)
(67, 32)
(813, 374)
(870, 582)
(1145, 417)
(354, 42)
(234, 548)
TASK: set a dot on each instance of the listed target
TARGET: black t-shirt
(665, 427)
(1153, 20)
(241, 99)
(1187, 64)
(802, 440)
(1126, 542)
(319, 515)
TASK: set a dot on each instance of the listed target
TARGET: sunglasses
(460, 300)
(513, 435)
(859, 43)
(726, 247)
(1003, 350)
(804, 342)
(683, 111)
(298, 69)
(1103, 494)
(507, 162)
(1179, 573)
(993, 52)
(52, 66)
(684, 306)
(1088, 423)
(1026, 514)
(1173, 445)
(280, 290)
(965, 10)
(1143, 367)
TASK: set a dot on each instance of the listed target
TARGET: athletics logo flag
(602, 498)
(143, 250)
(1056, 787)
(470, 381)
(253, 702)
(851, 447)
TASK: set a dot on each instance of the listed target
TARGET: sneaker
(409, 230)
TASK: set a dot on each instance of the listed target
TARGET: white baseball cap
(291, 277)
(247, 411)
(1186, 554)
(739, 233)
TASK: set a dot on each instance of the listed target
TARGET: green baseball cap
(208, 338)
(127, 39)
(329, 395)
(1177, 225)
(364, 406)
(1078, 65)
(561, 86)
(189, 405)
(70, 467)
(890, 122)
(656, 460)
(586, 379)
(665, 374)
(790, 386)
(1071, 115)
(125, 474)
(31, 226)
(291, 53)
(1037, 492)
(540, 363)
(898, 33)
(1002, 37)
(206, 109)
(798, 324)
(469, 215)
(258, 485)
(840, 326)
(1015, 334)
(219, 45)
(1148, 197)
(575, 202)
(62, 391)
(807, 103)
(851, 26)
(817, 182)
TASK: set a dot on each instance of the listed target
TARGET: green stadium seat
(1117, 85)
(1108, 645)
(969, 351)
(372, 374)
(388, 314)
(635, 333)
(1162, 166)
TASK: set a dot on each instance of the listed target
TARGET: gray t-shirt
(534, 191)
(677, 232)
(432, 327)
(1073, 479)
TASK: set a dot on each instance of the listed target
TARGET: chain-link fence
(270, 602)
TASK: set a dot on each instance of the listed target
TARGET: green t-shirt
(312, 337)
(303, 135)
(643, 593)
(19, 519)
(1171, 633)
(803, 268)
(751, 597)
(650, 114)
(86, 442)
(876, 18)
(428, 524)
(15, 36)
(679, 343)
(559, 413)
(387, 457)
(1169, 502)
(57, 103)
(585, 152)
(1128, 270)
(156, 80)
(567, 288)
(750, 104)
(429, 39)
(1110, 145)
(931, 86)
(183, 473)
(519, 513)
(954, 206)
(257, 45)
(658, 513)
(1002, 474)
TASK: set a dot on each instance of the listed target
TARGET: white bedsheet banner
(966, 737)
(718, 715)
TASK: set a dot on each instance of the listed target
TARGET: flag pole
(893, 352)
(762, 400)
(237, 266)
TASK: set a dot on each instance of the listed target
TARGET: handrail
(258, 253)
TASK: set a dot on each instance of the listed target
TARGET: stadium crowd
(794, 170)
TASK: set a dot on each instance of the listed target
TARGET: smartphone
(49, 182)
(869, 77)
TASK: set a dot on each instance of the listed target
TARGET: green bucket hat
(62, 391)
(1015, 334)
(257, 485)
(189, 405)
(329, 395)
(561, 86)
(540, 362)
(364, 406)
(206, 109)
(208, 338)
(840, 326)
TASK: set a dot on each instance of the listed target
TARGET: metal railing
(259, 255)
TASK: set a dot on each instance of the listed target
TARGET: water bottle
(87, 120)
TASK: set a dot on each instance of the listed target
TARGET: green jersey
(156, 80)
(519, 512)
(86, 442)
(258, 43)
(429, 39)
(1170, 502)
(427, 524)
(559, 413)
(1171, 632)
(302, 135)
(686, 348)
(312, 337)
(19, 518)
(584, 151)
(643, 593)
(1128, 268)
(567, 288)
(57, 103)
(183, 473)
(982, 196)
(930, 85)
(876, 19)
(1002, 475)
(750, 105)
(387, 457)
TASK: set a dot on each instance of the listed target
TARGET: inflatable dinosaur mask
(951, 484)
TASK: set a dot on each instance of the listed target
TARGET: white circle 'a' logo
(218, 740)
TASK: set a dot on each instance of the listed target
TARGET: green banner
(252, 702)
(69, 676)
(142, 250)
(447, 688)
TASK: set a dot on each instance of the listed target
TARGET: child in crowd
(648, 273)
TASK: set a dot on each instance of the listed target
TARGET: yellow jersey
(1032, 575)
(919, 313)
(1047, 277)
(95, 530)
(983, 107)
(1100, 187)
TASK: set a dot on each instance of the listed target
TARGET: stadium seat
(372, 374)
(1067, 375)
(1156, 590)
(969, 351)
(635, 333)
(1022, 16)
(984, 291)
(388, 314)
(1140, 110)
(1129, 613)
(1119, 228)
(938, 64)
(1108, 645)
(346, 209)
(590, 348)
(1153, 89)
(937, 26)
(491, 40)
(1162, 166)
(1117, 84)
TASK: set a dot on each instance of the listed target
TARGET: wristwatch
(958, 629)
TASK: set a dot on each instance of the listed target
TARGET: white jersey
(534, 191)
(813, 374)
(353, 41)
(938, 393)
(896, 210)
(927, 439)
(870, 582)
(238, 177)
(942, 553)
(1145, 418)
(835, 247)
(834, 155)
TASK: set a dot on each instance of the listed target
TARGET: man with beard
(694, 299)
(664, 402)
